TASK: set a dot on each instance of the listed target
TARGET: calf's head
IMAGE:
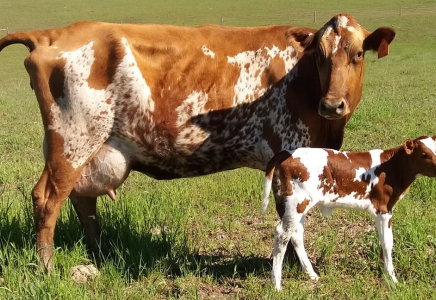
(422, 155)
(338, 49)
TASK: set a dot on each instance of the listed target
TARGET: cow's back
(181, 97)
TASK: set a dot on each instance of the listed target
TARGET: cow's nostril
(342, 105)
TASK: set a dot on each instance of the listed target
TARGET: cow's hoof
(82, 274)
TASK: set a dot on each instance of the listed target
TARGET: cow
(371, 181)
(175, 102)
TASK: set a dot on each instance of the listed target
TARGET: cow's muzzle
(333, 108)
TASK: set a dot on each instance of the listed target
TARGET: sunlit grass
(205, 237)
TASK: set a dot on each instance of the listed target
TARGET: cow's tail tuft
(30, 39)
(269, 174)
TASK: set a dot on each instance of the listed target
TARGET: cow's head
(422, 155)
(338, 49)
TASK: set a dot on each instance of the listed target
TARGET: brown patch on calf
(339, 174)
(390, 223)
(289, 170)
(301, 207)
(380, 195)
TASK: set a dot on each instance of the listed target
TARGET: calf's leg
(290, 228)
(383, 222)
(280, 207)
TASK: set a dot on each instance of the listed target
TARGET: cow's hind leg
(48, 195)
(86, 209)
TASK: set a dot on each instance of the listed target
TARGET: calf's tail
(269, 174)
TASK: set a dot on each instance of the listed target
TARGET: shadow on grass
(135, 253)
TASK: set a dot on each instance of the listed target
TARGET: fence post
(222, 20)
(314, 16)
(401, 11)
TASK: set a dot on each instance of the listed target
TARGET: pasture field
(205, 237)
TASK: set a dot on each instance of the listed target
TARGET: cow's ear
(409, 145)
(379, 41)
(299, 38)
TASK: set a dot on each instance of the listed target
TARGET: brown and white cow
(174, 102)
(371, 181)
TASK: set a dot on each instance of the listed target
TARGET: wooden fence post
(222, 20)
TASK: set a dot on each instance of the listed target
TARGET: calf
(371, 181)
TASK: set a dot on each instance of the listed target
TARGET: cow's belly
(106, 171)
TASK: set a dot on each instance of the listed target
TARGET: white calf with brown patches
(371, 181)
(174, 102)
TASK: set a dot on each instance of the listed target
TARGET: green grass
(205, 237)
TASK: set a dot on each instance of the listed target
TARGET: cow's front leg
(86, 209)
(280, 207)
(383, 223)
(48, 195)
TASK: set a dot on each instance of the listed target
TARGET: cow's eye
(358, 56)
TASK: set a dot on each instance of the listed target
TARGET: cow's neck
(285, 118)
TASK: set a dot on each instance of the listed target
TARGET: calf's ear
(379, 41)
(300, 38)
(409, 145)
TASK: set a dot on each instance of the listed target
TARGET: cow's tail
(30, 39)
(269, 174)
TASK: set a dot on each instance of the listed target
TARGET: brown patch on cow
(273, 139)
(274, 72)
(108, 54)
(56, 81)
(390, 223)
(301, 207)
